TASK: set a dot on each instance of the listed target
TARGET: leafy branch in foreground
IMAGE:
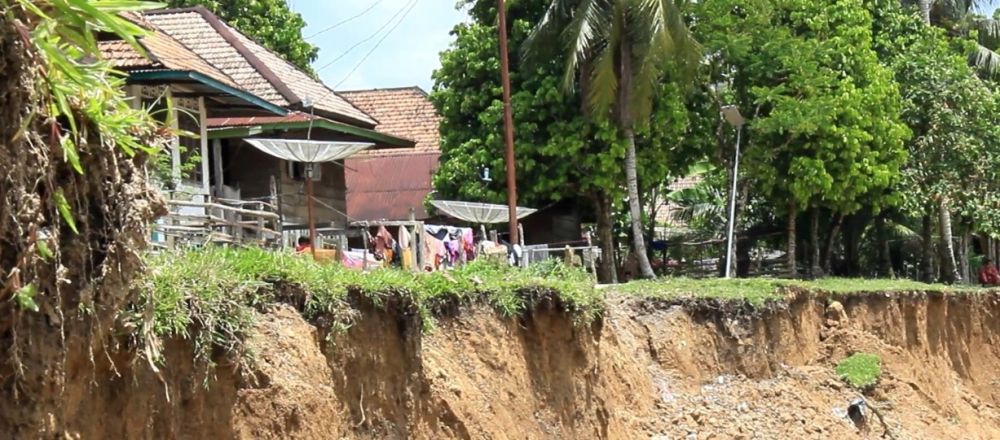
(81, 94)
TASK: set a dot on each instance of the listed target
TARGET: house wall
(560, 223)
(251, 170)
(390, 187)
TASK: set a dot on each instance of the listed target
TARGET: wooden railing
(193, 223)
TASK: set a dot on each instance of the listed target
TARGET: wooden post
(309, 204)
(217, 167)
(203, 144)
(508, 122)
(365, 241)
(593, 256)
(175, 144)
(418, 234)
(273, 199)
(524, 252)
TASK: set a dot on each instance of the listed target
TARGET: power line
(344, 21)
(379, 43)
(370, 37)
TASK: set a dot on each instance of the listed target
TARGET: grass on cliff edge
(757, 291)
(211, 295)
(220, 288)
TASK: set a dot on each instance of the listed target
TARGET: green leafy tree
(823, 115)
(960, 18)
(952, 167)
(618, 52)
(269, 22)
(561, 154)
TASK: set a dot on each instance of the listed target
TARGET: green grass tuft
(860, 370)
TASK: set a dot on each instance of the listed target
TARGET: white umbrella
(310, 153)
(479, 212)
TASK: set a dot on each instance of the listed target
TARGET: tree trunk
(627, 128)
(815, 270)
(884, 257)
(925, 10)
(963, 253)
(831, 242)
(948, 265)
(793, 269)
(927, 243)
(852, 243)
(608, 273)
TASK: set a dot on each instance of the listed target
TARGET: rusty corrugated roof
(404, 112)
(387, 187)
(251, 66)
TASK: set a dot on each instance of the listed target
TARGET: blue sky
(407, 55)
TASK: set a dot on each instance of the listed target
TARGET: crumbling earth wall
(645, 370)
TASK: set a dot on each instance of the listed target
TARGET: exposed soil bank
(646, 370)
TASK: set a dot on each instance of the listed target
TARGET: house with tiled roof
(255, 94)
(392, 184)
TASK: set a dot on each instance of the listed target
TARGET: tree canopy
(864, 114)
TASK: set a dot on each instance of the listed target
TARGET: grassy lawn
(759, 290)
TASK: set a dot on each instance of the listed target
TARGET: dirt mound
(773, 376)
(646, 370)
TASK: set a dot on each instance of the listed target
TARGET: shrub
(861, 370)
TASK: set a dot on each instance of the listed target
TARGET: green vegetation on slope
(212, 296)
(860, 370)
(221, 289)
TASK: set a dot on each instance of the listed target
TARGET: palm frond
(604, 71)
(540, 41)
(986, 60)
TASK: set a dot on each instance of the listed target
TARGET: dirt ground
(646, 370)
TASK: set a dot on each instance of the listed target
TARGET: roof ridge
(254, 53)
(387, 89)
(226, 32)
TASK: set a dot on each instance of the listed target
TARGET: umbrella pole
(309, 204)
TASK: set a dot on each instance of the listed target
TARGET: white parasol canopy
(479, 212)
(308, 151)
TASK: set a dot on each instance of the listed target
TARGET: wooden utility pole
(508, 122)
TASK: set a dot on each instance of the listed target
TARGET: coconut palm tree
(960, 17)
(617, 51)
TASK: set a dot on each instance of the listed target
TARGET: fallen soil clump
(645, 370)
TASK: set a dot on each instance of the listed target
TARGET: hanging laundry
(404, 238)
(382, 244)
(468, 244)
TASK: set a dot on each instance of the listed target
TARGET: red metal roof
(387, 187)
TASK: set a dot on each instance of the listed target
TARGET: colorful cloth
(404, 238)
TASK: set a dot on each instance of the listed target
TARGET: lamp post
(734, 118)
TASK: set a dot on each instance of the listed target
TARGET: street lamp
(732, 115)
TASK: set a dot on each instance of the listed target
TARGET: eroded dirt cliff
(646, 370)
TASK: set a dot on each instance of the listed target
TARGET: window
(297, 171)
